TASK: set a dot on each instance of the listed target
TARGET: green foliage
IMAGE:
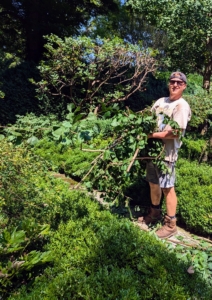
(194, 191)
(92, 253)
(23, 25)
(194, 85)
(30, 129)
(201, 108)
(22, 233)
(98, 256)
(191, 27)
(90, 73)
(193, 148)
(117, 168)
(18, 260)
(21, 190)
(32, 205)
(69, 160)
(198, 254)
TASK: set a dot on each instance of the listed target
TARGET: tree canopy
(187, 25)
(25, 22)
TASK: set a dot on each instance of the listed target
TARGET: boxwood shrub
(99, 256)
(194, 192)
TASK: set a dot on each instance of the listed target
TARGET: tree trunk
(33, 32)
(208, 66)
(207, 76)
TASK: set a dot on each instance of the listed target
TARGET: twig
(90, 150)
(94, 162)
(133, 159)
(144, 157)
(205, 239)
(202, 153)
(188, 245)
(152, 157)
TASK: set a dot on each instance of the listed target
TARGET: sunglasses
(180, 83)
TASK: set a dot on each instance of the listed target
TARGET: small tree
(92, 73)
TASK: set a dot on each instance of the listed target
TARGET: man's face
(176, 88)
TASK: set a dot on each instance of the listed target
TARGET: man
(178, 110)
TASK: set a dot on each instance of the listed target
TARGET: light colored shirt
(179, 111)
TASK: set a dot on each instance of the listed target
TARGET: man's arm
(165, 135)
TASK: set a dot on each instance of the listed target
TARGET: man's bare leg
(171, 201)
(155, 193)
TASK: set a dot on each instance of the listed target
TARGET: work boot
(168, 229)
(153, 217)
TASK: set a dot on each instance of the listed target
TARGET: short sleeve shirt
(179, 111)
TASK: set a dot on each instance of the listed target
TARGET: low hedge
(98, 256)
(32, 205)
(70, 160)
(194, 192)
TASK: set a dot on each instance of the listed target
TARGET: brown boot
(168, 229)
(153, 217)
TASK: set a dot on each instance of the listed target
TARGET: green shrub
(70, 160)
(194, 191)
(201, 107)
(90, 73)
(30, 129)
(32, 204)
(193, 148)
(98, 256)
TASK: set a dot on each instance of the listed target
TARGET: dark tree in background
(25, 22)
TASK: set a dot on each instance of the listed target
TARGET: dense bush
(97, 256)
(91, 73)
(69, 160)
(201, 107)
(32, 204)
(194, 191)
(194, 148)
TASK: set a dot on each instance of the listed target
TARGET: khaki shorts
(154, 175)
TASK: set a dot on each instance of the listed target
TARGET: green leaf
(32, 140)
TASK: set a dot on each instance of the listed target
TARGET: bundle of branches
(124, 160)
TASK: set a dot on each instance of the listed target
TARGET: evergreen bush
(98, 256)
(193, 148)
(32, 204)
(194, 192)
